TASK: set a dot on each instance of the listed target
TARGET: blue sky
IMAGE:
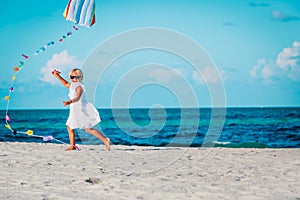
(254, 44)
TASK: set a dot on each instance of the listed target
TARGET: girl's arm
(79, 91)
(62, 80)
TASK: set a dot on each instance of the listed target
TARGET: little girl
(83, 115)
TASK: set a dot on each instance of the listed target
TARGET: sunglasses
(77, 77)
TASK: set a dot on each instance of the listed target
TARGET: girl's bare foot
(107, 144)
(70, 148)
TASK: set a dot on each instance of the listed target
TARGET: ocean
(188, 127)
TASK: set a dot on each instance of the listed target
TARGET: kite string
(11, 89)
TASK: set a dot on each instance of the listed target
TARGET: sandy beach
(46, 171)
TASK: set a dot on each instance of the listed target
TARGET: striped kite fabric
(81, 12)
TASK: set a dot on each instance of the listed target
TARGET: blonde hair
(78, 71)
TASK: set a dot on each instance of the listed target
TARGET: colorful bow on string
(12, 89)
(31, 133)
(48, 138)
(81, 12)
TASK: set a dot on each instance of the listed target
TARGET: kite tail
(14, 77)
(81, 12)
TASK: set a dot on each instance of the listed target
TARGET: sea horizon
(242, 127)
(171, 107)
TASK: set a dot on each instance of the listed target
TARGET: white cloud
(166, 76)
(197, 77)
(161, 75)
(267, 72)
(208, 75)
(254, 72)
(289, 56)
(62, 61)
(279, 16)
(263, 70)
(289, 61)
(287, 65)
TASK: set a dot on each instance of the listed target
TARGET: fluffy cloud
(287, 64)
(166, 76)
(208, 75)
(62, 61)
(161, 75)
(279, 16)
(263, 70)
(289, 61)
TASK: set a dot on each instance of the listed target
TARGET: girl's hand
(56, 73)
(66, 103)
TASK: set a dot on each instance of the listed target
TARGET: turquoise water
(243, 127)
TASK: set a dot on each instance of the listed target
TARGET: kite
(80, 12)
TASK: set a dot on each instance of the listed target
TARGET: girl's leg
(72, 139)
(97, 134)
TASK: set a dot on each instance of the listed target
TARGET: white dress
(82, 113)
